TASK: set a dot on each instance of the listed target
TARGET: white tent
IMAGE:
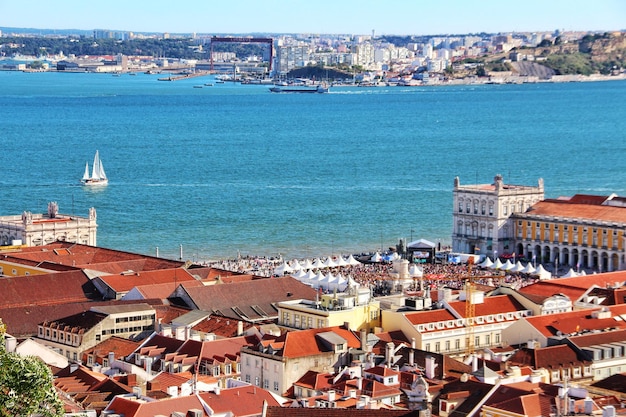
(497, 264)
(352, 283)
(307, 264)
(341, 261)
(416, 271)
(283, 269)
(543, 274)
(296, 265)
(518, 267)
(300, 275)
(329, 263)
(353, 261)
(570, 274)
(377, 258)
(528, 269)
(486, 263)
(317, 264)
(508, 265)
(342, 283)
(310, 275)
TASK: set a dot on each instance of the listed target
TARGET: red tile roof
(119, 346)
(300, 343)
(578, 208)
(125, 282)
(490, 306)
(336, 412)
(574, 287)
(530, 405)
(220, 326)
(576, 321)
(241, 401)
(46, 289)
(90, 257)
(129, 407)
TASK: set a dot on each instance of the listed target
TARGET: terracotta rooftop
(577, 207)
(119, 346)
(124, 282)
(577, 321)
(300, 343)
(498, 304)
(336, 412)
(574, 287)
(91, 257)
(220, 326)
(129, 407)
(246, 400)
(47, 289)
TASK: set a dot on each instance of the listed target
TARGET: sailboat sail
(86, 174)
(98, 175)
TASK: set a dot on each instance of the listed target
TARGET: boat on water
(98, 176)
(299, 89)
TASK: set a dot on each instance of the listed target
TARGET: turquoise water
(233, 168)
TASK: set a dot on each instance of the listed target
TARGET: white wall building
(481, 213)
(41, 229)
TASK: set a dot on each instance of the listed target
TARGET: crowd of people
(379, 275)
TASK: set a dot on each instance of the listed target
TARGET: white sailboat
(98, 176)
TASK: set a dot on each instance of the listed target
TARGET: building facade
(41, 229)
(481, 215)
(356, 308)
(582, 231)
(71, 336)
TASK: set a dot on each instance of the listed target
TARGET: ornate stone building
(41, 229)
(481, 215)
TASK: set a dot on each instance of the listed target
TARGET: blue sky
(400, 17)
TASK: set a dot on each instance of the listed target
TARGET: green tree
(26, 386)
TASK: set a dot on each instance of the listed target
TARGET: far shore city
(336, 60)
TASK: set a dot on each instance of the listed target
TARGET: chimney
(474, 363)
(111, 359)
(131, 380)
(240, 328)
(413, 343)
(389, 354)
(331, 396)
(430, 367)
(411, 357)
(363, 341)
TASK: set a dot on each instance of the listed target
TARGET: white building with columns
(41, 229)
(481, 215)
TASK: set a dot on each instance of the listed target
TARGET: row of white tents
(307, 264)
(517, 267)
(327, 282)
(528, 269)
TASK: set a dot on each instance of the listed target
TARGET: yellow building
(355, 307)
(582, 231)
(14, 269)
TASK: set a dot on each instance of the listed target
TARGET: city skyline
(297, 16)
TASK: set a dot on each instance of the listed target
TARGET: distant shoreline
(493, 78)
